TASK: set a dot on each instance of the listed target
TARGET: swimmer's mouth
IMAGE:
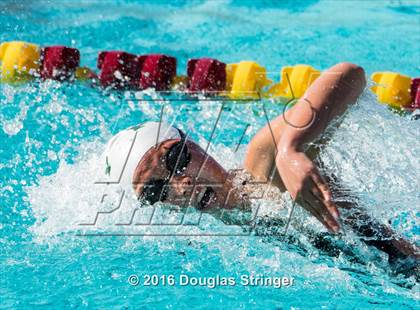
(205, 198)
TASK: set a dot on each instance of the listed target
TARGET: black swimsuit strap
(182, 134)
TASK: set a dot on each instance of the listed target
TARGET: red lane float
(415, 93)
(59, 62)
(124, 70)
(206, 75)
(118, 69)
(156, 71)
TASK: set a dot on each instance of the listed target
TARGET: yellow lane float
(20, 61)
(392, 88)
(294, 81)
(246, 80)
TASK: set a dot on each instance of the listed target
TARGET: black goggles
(176, 160)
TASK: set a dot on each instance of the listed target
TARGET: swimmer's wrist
(285, 148)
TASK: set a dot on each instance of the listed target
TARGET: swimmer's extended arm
(281, 143)
(404, 256)
(328, 97)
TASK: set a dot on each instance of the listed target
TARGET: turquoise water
(52, 134)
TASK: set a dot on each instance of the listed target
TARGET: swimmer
(166, 165)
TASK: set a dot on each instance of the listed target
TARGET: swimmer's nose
(182, 185)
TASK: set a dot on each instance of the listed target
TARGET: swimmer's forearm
(376, 234)
(328, 97)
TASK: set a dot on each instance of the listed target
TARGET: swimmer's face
(200, 181)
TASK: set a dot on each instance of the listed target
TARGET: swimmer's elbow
(353, 72)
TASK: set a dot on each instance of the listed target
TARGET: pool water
(53, 134)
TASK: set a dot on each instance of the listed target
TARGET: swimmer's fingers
(308, 206)
(314, 205)
(324, 194)
(327, 219)
(315, 211)
(314, 197)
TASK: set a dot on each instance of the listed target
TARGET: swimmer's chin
(212, 198)
(230, 200)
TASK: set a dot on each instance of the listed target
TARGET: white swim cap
(125, 150)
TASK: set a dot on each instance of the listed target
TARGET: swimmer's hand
(307, 187)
